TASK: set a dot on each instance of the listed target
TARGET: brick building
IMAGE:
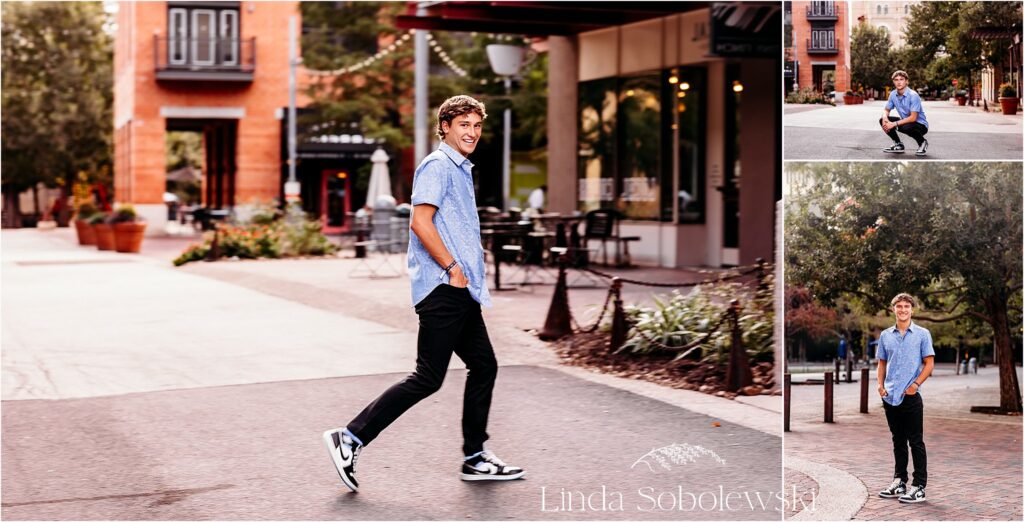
(220, 68)
(819, 45)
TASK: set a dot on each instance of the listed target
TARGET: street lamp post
(506, 61)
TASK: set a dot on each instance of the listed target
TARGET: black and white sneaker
(897, 488)
(896, 148)
(922, 149)
(486, 466)
(915, 495)
(344, 452)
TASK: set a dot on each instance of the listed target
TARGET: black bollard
(828, 397)
(864, 390)
(788, 384)
(557, 323)
(738, 374)
(849, 369)
(214, 252)
(619, 327)
(837, 370)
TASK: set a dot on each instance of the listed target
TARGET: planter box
(104, 236)
(961, 100)
(86, 235)
(1009, 105)
(128, 237)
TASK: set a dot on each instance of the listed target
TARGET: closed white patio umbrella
(380, 178)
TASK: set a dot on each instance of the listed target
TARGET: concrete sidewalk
(200, 392)
(850, 132)
(974, 460)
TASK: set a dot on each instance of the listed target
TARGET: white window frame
(212, 37)
(177, 36)
(232, 39)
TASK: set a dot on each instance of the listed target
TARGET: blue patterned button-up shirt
(445, 180)
(909, 102)
(905, 359)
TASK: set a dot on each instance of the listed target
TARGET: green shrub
(97, 218)
(85, 210)
(124, 214)
(808, 95)
(683, 319)
(1007, 91)
(195, 252)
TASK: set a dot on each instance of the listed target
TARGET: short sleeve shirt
(444, 179)
(904, 356)
(909, 102)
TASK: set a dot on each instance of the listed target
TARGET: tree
(57, 96)
(870, 62)
(949, 234)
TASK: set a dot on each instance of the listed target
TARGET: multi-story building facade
(891, 15)
(220, 68)
(820, 45)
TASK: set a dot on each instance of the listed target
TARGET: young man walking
(446, 269)
(911, 119)
(905, 360)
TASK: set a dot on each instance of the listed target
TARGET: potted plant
(104, 232)
(961, 97)
(128, 229)
(1008, 99)
(849, 98)
(86, 235)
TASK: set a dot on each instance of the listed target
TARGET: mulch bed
(590, 350)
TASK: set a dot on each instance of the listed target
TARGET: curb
(840, 494)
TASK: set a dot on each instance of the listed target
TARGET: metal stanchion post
(557, 323)
(787, 398)
(828, 397)
(619, 327)
(864, 390)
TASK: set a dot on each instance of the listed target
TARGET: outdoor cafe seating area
(522, 247)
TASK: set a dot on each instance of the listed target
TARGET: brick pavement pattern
(974, 466)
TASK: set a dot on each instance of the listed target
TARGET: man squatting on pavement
(446, 269)
(905, 360)
(911, 121)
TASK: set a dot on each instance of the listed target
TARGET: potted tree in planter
(961, 97)
(104, 232)
(86, 235)
(1008, 99)
(849, 98)
(128, 229)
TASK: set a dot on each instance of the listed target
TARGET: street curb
(840, 495)
(752, 417)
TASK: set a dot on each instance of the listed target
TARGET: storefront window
(639, 155)
(597, 134)
(688, 96)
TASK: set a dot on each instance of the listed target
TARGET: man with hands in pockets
(905, 360)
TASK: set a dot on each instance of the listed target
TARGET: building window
(639, 147)
(906, 8)
(598, 106)
(823, 39)
(690, 123)
(202, 34)
(885, 10)
(878, 9)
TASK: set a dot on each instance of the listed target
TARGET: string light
(398, 43)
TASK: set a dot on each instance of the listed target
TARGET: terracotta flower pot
(961, 100)
(128, 237)
(849, 100)
(1009, 105)
(86, 235)
(104, 236)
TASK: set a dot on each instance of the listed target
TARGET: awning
(536, 18)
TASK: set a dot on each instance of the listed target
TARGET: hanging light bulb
(737, 86)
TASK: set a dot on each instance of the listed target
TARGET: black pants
(913, 129)
(450, 320)
(906, 422)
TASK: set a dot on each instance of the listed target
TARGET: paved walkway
(851, 132)
(200, 393)
(974, 460)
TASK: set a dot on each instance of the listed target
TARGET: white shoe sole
(894, 151)
(917, 501)
(338, 464)
(472, 478)
(883, 495)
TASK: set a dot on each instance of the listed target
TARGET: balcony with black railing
(205, 59)
(822, 46)
(819, 10)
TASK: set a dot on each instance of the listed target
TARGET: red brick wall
(139, 147)
(802, 31)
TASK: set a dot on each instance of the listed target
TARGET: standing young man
(911, 119)
(446, 269)
(905, 360)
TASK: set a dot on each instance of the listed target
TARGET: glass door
(204, 37)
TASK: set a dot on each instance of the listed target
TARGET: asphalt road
(809, 143)
(254, 452)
